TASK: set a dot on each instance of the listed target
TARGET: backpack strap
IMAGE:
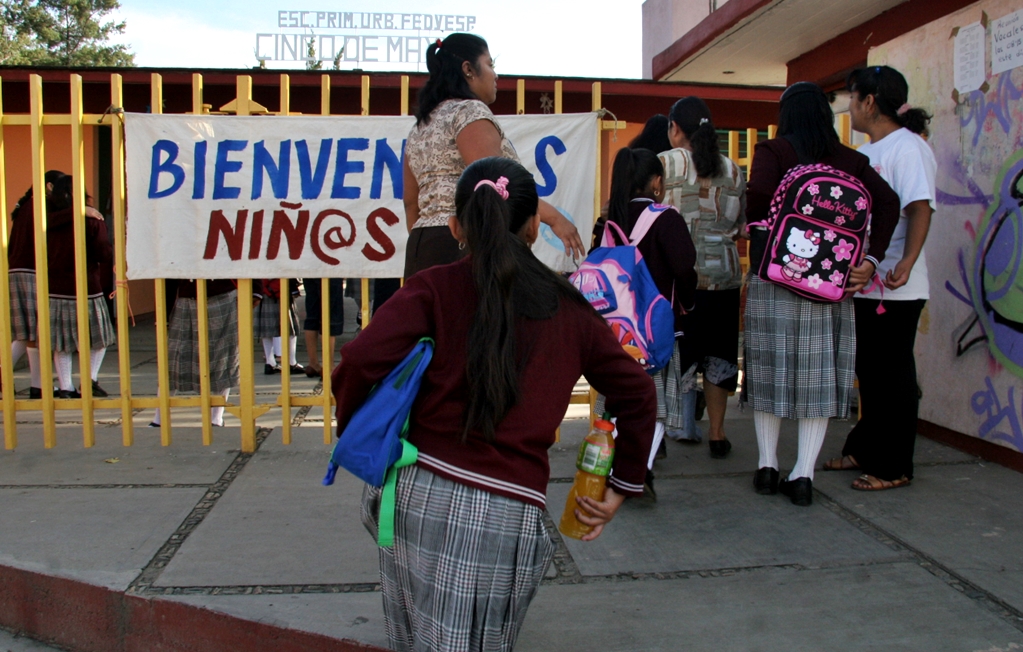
(385, 522)
(643, 224)
(608, 240)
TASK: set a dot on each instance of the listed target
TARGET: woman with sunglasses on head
(881, 445)
(454, 127)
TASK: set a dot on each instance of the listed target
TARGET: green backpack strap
(385, 524)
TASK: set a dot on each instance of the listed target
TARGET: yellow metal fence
(247, 409)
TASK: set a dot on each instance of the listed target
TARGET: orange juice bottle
(596, 453)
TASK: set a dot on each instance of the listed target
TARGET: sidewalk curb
(83, 617)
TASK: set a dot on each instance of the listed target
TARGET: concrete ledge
(83, 617)
(973, 445)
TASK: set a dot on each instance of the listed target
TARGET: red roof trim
(705, 33)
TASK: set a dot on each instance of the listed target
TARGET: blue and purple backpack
(818, 223)
(616, 282)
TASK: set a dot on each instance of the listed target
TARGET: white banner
(265, 197)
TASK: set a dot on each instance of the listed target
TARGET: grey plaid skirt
(676, 381)
(800, 354)
(183, 343)
(266, 319)
(64, 324)
(464, 567)
(23, 305)
(660, 381)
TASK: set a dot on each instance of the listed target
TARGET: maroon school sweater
(440, 302)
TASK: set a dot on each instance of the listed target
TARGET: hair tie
(439, 44)
(902, 109)
(704, 121)
(501, 186)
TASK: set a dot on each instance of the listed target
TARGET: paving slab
(100, 536)
(967, 517)
(11, 643)
(712, 523)
(277, 524)
(187, 461)
(353, 616)
(875, 607)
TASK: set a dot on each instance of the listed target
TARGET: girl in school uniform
(266, 320)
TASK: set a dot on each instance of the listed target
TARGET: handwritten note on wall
(1007, 42)
(969, 58)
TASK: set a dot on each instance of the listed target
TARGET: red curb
(82, 617)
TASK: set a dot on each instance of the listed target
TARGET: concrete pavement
(709, 566)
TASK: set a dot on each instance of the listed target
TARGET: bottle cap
(602, 424)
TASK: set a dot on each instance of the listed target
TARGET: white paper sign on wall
(1007, 42)
(970, 62)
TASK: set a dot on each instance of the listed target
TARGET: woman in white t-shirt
(881, 444)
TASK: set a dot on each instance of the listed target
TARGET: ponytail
(511, 283)
(891, 95)
(692, 116)
(632, 171)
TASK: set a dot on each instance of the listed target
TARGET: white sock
(292, 350)
(268, 351)
(811, 438)
(33, 367)
(768, 432)
(277, 345)
(18, 348)
(62, 363)
(658, 437)
(156, 418)
(96, 361)
(217, 413)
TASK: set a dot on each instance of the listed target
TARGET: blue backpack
(616, 282)
(373, 445)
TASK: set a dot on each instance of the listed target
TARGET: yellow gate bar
(6, 357)
(558, 96)
(286, 361)
(160, 287)
(326, 360)
(248, 385)
(35, 89)
(120, 263)
(520, 96)
(81, 263)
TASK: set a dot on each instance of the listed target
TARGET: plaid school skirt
(800, 354)
(183, 344)
(64, 324)
(23, 305)
(266, 319)
(464, 567)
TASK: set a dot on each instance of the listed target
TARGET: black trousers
(883, 440)
(429, 246)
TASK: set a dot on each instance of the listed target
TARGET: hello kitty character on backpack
(803, 247)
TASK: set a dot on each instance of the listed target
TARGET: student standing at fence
(800, 353)
(183, 339)
(455, 127)
(512, 338)
(313, 323)
(21, 279)
(709, 190)
(881, 444)
(60, 247)
(266, 320)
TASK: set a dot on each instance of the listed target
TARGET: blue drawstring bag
(373, 445)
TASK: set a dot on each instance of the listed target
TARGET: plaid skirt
(266, 319)
(183, 344)
(464, 567)
(64, 324)
(23, 305)
(677, 381)
(800, 354)
(660, 376)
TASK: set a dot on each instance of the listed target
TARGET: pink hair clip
(501, 186)
(902, 109)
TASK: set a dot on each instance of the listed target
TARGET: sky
(526, 37)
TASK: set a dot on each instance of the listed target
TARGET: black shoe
(35, 392)
(799, 490)
(662, 451)
(270, 370)
(648, 486)
(765, 481)
(719, 448)
(97, 391)
(297, 369)
(68, 393)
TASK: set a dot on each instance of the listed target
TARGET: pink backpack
(818, 223)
